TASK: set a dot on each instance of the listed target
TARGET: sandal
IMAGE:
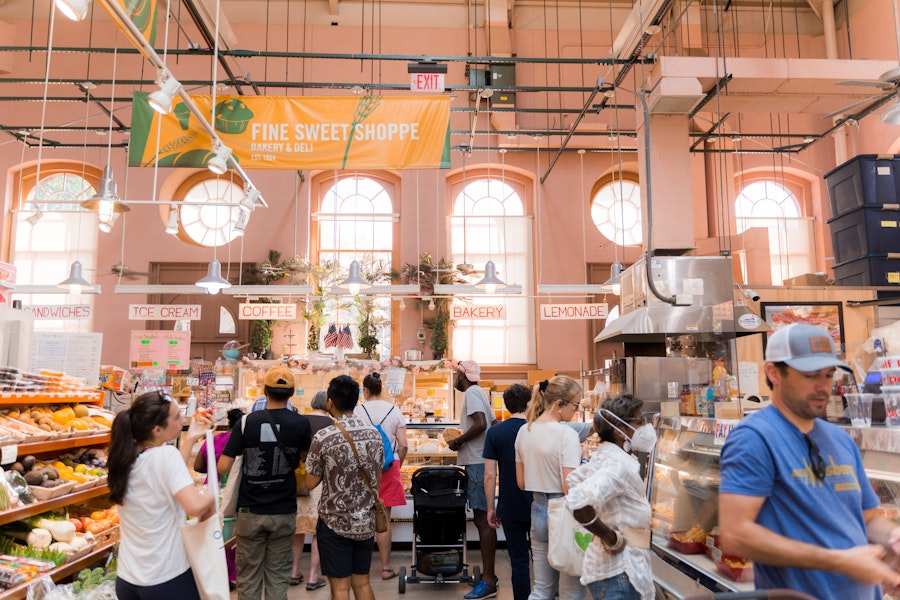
(296, 580)
(314, 585)
(388, 573)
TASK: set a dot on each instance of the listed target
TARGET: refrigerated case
(684, 491)
(650, 377)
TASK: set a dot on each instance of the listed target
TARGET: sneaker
(481, 591)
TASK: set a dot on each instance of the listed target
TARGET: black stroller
(439, 528)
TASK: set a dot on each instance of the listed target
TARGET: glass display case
(684, 497)
(427, 448)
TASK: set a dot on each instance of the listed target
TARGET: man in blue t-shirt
(794, 497)
(514, 505)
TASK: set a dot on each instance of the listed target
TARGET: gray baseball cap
(804, 347)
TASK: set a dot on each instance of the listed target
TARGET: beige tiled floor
(403, 558)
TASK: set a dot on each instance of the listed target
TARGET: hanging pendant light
(354, 281)
(75, 282)
(74, 10)
(490, 282)
(213, 283)
(615, 280)
(106, 200)
(107, 219)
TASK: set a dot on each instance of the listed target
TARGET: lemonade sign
(278, 132)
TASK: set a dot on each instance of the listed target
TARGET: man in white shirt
(475, 417)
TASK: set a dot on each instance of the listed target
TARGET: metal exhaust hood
(705, 287)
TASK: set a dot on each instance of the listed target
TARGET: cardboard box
(807, 279)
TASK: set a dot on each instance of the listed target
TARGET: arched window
(356, 222)
(616, 210)
(488, 222)
(768, 204)
(208, 208)
(52, 230)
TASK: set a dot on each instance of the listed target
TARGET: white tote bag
(205, 544)
(233, 484)
(568, 541)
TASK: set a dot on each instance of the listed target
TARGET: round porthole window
(209, 211)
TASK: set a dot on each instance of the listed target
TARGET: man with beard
(794, 497)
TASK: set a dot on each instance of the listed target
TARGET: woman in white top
(607, 496)
(149, 480)
(547, 450)
(378, 411)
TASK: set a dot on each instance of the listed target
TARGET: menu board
(158, 349)
(76, 354)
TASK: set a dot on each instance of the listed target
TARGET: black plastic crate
(871, 270)
(864, 180)
(863, 231)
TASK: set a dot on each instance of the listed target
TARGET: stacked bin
(865, 227)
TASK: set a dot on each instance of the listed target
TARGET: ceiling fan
(888, 84)
(123, 271)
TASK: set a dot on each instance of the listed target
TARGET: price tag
(193, 381)
(9, 454)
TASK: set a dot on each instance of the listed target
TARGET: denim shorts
(475, 487)
(617, 587)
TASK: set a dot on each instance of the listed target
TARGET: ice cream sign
(279, 132)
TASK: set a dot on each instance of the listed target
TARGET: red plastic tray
(739, 574)
(685, 547)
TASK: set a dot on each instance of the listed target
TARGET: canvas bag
(204, 543)
(228, 506)
(567, 540)
(385, 440)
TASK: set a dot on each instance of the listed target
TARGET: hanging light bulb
(615, 280)
(431, 304)
(75, 282)
(213, 283)
(354, 281)
(490, 281)
(108, 218)
(218, 164)
(161, 99)
(172, 224)
(74, 10)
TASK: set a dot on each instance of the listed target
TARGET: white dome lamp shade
(75, 282)
(213, 283)
(74, 10)
(490, 282)
(161, 99)
(892, 115)
(615, 278)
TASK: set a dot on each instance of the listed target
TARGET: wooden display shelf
(66, 443)
(36, 508)
(70, 568)
(19, 398)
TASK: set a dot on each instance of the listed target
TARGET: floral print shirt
(347, 506)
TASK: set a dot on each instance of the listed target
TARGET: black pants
(182, 587)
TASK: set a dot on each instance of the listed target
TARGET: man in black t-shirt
(513, 510)
(272, 443)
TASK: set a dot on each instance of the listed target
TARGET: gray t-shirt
(475, 401)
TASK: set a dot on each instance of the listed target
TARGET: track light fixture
(161, 99)
(241, 224)
(74, 10)
(172, 223)
(213, 283)
(218, 164)
(490, 282)
(75, 282)
(33, 219)
(248, 202)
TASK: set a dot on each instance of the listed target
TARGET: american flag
(331, 338)
(345, 338)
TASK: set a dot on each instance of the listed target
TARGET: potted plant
(440, 333)
(368, 317)
(427, 273)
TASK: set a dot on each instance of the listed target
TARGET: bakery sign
(301, 132)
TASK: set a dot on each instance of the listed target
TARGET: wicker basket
(108, 535)
(42, 493)
(92, 481)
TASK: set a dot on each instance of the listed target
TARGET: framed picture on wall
(827, 315)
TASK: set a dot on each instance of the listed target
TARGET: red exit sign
(426, 82)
